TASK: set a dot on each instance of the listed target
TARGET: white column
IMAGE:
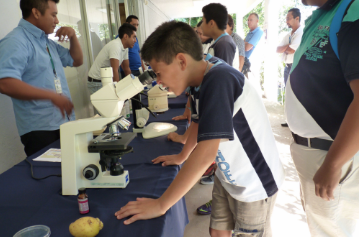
(239, 23)
(271, 57)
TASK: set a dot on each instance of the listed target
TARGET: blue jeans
(94, 86)
(287, 69)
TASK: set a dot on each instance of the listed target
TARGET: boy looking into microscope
(233, 129)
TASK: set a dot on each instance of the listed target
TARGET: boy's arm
(192, 170)
(186, 151)
(187, 112)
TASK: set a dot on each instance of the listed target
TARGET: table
(25, 202)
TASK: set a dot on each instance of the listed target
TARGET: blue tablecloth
(25, 202)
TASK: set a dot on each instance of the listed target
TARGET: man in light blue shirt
(32, 74)
(251, 40)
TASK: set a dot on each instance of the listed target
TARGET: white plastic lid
(34, 231)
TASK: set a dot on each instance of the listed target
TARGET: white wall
(11, 149)
(150, 17)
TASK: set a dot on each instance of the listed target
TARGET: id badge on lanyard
(57, 80)
(58, 85)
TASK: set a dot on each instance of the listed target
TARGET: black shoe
(284, 125)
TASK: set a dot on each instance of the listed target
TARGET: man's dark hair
(127, 29)
(170, 39)
(255, 14)
(295, 12)
(199, 23)
(230, 22)
(26, 6)
(130, 17)
(216, 12)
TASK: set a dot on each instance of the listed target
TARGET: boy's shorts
(245, 218)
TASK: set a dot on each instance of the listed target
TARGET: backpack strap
(336, 24)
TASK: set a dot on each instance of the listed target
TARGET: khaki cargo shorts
(245, 218)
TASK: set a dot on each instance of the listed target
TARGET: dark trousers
(246, 67)
(36, 140)
(287, 69)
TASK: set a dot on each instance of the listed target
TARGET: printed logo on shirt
(320, 39)
(224, 167)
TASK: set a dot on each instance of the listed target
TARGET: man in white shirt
(290, 43)
(112, 55)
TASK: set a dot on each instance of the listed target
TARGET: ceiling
(193, 8)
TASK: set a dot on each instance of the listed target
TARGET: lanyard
(52, 62)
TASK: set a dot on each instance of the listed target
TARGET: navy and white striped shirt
(230, 109)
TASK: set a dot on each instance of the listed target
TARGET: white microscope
(94, 163)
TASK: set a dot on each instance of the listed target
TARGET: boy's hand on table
(175, 137)
(169, 160)
(141, 209)
(185, 115)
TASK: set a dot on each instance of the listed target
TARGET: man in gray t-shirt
(237, 40)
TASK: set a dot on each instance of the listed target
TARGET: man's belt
(289, 64)
(315, 143)
(90, 79)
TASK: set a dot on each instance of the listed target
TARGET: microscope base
(107, 181)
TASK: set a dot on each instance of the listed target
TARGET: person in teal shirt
(322, 110)
(32, 74)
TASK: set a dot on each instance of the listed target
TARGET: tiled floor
(288, 219)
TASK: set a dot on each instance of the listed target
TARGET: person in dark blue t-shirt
(134, 59)
(232, 129)
(215, 19)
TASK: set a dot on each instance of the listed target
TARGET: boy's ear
(182, 61)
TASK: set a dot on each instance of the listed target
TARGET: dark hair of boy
(170, 39)
(127, 29)
(216, 12)
(130, 17)
(199, 23)
(230, 22)
(26, 6)
(295, 12)
(255, 14)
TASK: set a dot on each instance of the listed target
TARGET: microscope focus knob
(90, 172)
(141, 122)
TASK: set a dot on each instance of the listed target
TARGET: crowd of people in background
(229, 142)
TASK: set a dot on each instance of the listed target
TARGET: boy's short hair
(170, 39)
(216, 12)
(127, 29)
(230, 22)
(295, 12)
(26, 6)
(255, 14)
(130, 17)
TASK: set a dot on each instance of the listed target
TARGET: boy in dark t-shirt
(215, 18)
(229, 131)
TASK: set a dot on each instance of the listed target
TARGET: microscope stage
(105, 142)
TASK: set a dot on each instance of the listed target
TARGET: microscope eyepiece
(147, 77)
